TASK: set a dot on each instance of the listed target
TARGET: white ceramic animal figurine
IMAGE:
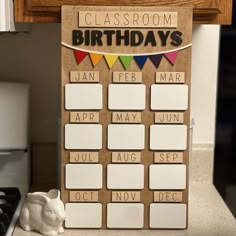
(43, 212)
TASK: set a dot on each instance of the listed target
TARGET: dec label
(168, 196)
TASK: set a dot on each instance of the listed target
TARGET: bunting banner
(140, 60)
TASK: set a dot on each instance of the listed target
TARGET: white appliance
(7, 16)
(14, 148)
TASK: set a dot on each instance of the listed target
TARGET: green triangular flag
(126, 60)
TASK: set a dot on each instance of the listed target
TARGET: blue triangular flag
(156, 59)
(140, 60)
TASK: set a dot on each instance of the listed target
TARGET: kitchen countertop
(208, 216)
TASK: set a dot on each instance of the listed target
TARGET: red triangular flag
(80, 55)
(171, 56)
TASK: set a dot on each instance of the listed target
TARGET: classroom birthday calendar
(125, 116)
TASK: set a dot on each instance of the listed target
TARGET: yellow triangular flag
(110, 59)
(95, 58)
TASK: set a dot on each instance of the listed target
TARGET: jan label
(84, 76)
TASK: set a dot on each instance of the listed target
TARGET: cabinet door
(204, 11)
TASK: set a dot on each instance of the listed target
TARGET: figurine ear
(38, 198)
(54, 194)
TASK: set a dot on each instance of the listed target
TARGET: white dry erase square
(126, 97)
(163, 176)
(125, 215)
(83, 176)
(83, 136)
(126, 137)
(168, 215)
(83, 215)
(83, 96)
(168, 137)
(169, 97)
(125, 176)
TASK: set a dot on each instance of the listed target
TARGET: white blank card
(168, 137)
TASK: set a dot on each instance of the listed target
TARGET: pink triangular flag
(171, 56)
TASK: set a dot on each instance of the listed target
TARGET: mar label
(83, 196)
(126, 117)
(169, 117)
(84, 117)
(127, 77)
(168, 157)
(170, 77)
(133, 196)
(83, 157)
(84, 76)
(168, 196)
(126, 157)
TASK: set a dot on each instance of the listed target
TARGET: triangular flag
(95, 58)
(126, 60)
(110, 59)
(156, 59)
(140, 60)
(171, 56)
(80, 55)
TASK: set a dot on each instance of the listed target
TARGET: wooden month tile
(125, 116)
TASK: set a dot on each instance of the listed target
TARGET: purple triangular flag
(156, 59)
(140, 60)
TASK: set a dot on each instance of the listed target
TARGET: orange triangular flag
(95, 58)
(110, 59)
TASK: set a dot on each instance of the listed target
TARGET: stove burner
(9, 199)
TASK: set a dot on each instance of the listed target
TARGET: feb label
(127, 77)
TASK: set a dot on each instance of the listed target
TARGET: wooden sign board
(125, 116)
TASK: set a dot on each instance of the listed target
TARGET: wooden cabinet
(205, 11)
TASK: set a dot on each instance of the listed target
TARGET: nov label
(128, 196)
